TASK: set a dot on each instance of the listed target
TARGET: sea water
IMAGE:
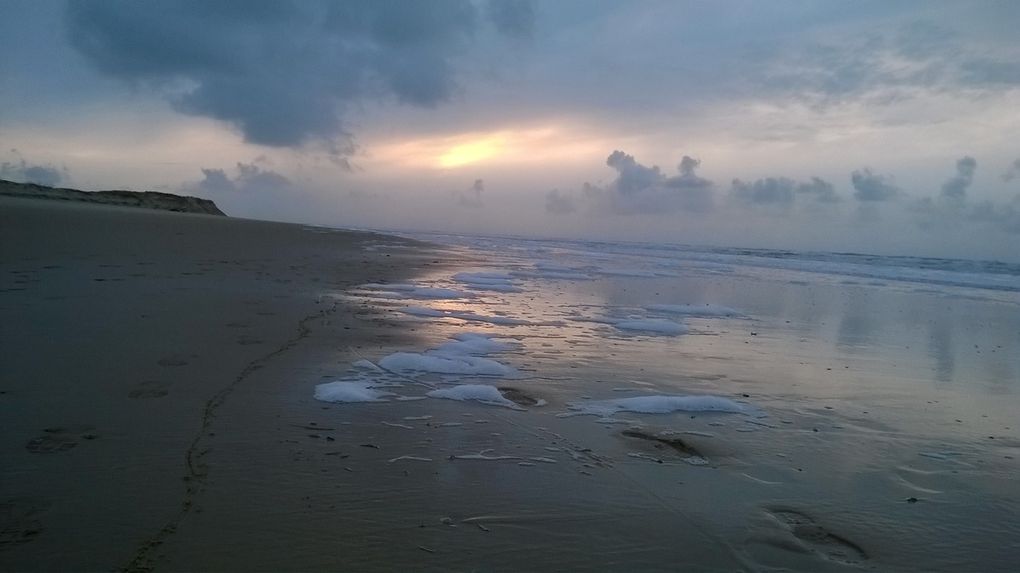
(857, 410)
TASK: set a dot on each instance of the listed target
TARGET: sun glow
(499, 147)
(471, 152)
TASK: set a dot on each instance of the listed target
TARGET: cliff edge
(144, 199)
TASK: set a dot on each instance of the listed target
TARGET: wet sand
(125, 335)
(178, 391)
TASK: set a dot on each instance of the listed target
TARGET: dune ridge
(143, 199)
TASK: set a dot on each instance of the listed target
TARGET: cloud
(687, 178)
(821, 190)
(990, 72)
(642, 189)
(776, 191)
(514, 18)
(899, 60)
(559, 203)
(1004, 216)
(952, 208)
(633, 177)
(472, 197)
(871, 187)
(283, 72)
(23, 172)
(249, 179)
(1013, 172)
(782, 193)
(956, 187)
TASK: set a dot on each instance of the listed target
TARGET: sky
(889, 127)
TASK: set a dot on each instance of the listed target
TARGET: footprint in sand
(150, 389)
(18, 522)
(817, 539)
(56, 440)
(518, 397)
(686, 450)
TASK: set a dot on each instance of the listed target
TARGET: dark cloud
(885, 65)
(952, 208)
(472, 197)
(283, 71)
(782, 193)
(1004, 216)
(688, 179)
(871, 187)
(775, 191)
(1013, 172)
(559, 203)
(936, 215)
(249, 179)
(512, 17)
(21, 171)
(642, 189)
(821, 190)
(633, 177)
(956, 187)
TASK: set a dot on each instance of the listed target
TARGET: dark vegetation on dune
(144, 199)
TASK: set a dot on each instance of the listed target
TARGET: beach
(188, 392)
(124, 332)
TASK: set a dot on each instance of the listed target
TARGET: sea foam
(466, 316)
(462, 355)
(350, 392)
(474, 392)
(652, 326)
(440, 364)
(494, 281)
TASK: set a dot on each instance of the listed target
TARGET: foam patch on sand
(412, 291)
(468, 316)
(494, 281)
(652, 326)
(474, 392)
(655, 405)
(697, 310)
(445, 364)
(350, 392)
(423, 311)
(463, 355)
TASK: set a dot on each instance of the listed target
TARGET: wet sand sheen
(501, 422)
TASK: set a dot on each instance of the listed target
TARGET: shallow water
(877, 401)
